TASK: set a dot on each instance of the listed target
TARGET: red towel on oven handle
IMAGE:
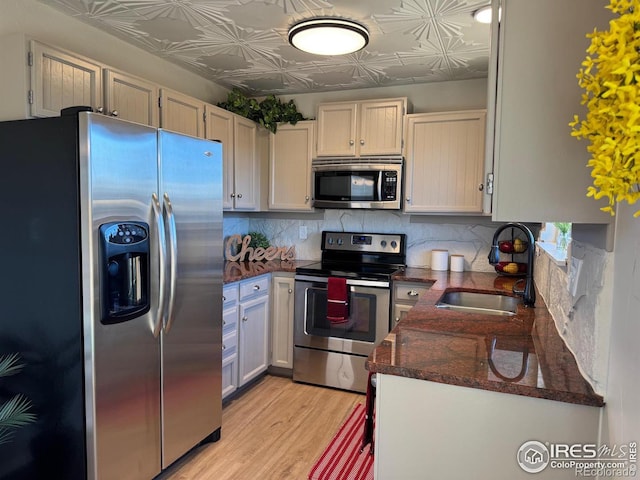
(337, 300)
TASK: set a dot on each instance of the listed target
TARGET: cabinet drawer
(229, 320)
(229, 346)
(253, 287)
(230, 293)
(409, 291)
(229, 377)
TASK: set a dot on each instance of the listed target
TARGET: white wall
(622, 411)
(428, 97)
(50, 26)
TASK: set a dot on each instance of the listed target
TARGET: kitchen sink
(475, 302)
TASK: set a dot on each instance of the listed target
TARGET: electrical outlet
(302, 232)
(574, 277)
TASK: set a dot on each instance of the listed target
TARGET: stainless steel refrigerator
(111, 290)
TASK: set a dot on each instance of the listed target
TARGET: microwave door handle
(380, 185)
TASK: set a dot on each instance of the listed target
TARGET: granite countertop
(521, 354)
(235, 271)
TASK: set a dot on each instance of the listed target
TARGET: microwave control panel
(389, 185)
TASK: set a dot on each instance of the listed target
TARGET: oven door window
(362, 316)
(347, 186)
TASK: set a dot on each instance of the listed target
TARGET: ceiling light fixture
(483, 14)
(328, 36)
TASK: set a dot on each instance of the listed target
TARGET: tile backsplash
(468, 236)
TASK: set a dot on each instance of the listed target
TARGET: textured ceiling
(243, 43)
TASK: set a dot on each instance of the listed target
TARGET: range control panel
(363, 242)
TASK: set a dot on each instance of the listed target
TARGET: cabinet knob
(224, 322)
(412, 293)
(100, 110)
(351, 142)
(233, 195)
(244, 319)
(239, 195)
(290, 291)
(306, 199)
(223, 346)
(361, 142)
(408, 200)
(224, 299)
(114, 113)
(256, 287)
(481, 187)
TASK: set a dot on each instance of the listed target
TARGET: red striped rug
(342, 459)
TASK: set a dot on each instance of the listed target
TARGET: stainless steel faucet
(529, 292)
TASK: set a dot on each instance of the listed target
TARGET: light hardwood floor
(275, 430)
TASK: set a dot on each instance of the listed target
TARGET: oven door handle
(350, 281)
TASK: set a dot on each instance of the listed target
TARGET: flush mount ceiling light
(328, 36)
(483, 14)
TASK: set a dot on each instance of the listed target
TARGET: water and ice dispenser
(124, 271)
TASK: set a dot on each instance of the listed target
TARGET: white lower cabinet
(253, 328)
(245, 332)
(230, 309)
(405, 296)
(282, 320)
(452, 431)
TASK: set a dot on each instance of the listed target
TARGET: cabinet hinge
(159, 102)
(489, 187)
(30, 59)
(204, 117)
(30, 97)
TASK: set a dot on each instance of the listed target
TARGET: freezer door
(118, 175)
(191, 189)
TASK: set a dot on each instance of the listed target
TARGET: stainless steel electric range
(334, 353)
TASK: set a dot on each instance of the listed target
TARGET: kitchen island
(459, 393)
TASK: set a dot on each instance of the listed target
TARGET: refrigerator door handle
(162, 253)
(173, 251)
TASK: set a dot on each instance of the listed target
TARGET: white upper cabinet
(540, 169)
(130, 98)
(181, 113)
(445, 162)
(246, 169)
(240, 166)
(290, 152)
(219, 124)
(358, 129)
(60, 79)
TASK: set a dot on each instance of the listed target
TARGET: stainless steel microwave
(357, 183)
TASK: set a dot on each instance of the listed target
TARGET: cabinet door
(540, 173)
(400, 311)
(282, 322)
(445, 162)
(290, 167)
(337, 130)
(381, 128)
(253, 332)
(219, 126)
(181, 113)
(245, 167)
(130, 98)
(61, 80)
